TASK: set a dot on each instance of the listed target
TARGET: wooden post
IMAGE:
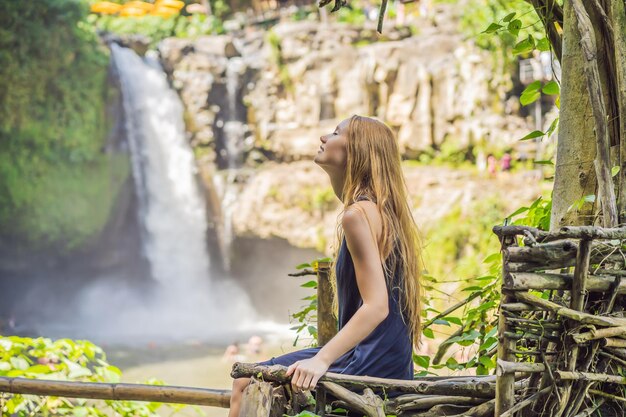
(326, 323)
(257, 399)
(505, 382)
(577, 302)
(320, 400)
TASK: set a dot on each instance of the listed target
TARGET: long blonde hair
(374, 169)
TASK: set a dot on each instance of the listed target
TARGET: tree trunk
(574, 176)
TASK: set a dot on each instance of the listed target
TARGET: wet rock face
(300, 80)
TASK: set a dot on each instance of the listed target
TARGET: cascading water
(187, 302)
(171, 206)
(234, 131)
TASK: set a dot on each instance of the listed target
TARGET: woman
(377, 269)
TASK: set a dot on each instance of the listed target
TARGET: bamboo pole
(613, 342)
(517, 307)
(431, 400)
(588, 376)
(594, 334)
(481, 387)
(508, 367)
(565, 232)
(584, 318)
(505, 383)
(107, 391)
(519, 281)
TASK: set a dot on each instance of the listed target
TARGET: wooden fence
(561, 322)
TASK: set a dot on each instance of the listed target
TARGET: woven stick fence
(562, 322)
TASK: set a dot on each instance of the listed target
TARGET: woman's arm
(370, 280)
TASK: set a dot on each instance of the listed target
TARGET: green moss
(59, 203)
(57, 186)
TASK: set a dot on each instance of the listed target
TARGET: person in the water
(377, 269)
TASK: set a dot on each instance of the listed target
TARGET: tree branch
(550, 13)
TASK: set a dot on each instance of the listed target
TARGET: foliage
(307, 317)
(63, 360)
(509, 20)
(476, 326)
(276, 56)
(157, 28)
(56, 185)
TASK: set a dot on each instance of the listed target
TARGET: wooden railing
(121, 391)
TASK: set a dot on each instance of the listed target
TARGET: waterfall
(171, 205)
(188, 302)
(234, 131)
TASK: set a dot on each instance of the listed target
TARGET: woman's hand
(306, 373)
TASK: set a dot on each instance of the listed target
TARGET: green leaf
(481, 370)
(543, 44)
(614, 170)
(514, 27)
(496, 256)
(486, 306)
(442, 322)
(428, 333)
(532, 135)
(528, 98)
(530, 93)
(471, 335)
(551, 88)
(508, 17)
(454, 320)
(304, 265)
(309, 284)
(473, 288)
(487, 362)
(19, 362)
(39, 369)
(552, 127)
(485, 278)
(489, 343)
(525, 46)
(543, 162)
(422, 360)
(76, 371)
(492, 28)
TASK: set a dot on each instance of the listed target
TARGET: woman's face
(332, 152)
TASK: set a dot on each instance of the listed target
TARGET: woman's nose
(323, 139)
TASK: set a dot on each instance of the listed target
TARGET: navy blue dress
(387, 352)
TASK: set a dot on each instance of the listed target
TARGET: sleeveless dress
(387, 352)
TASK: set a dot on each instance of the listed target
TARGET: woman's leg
(239, 384)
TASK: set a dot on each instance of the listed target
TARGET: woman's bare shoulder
(370, 209)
